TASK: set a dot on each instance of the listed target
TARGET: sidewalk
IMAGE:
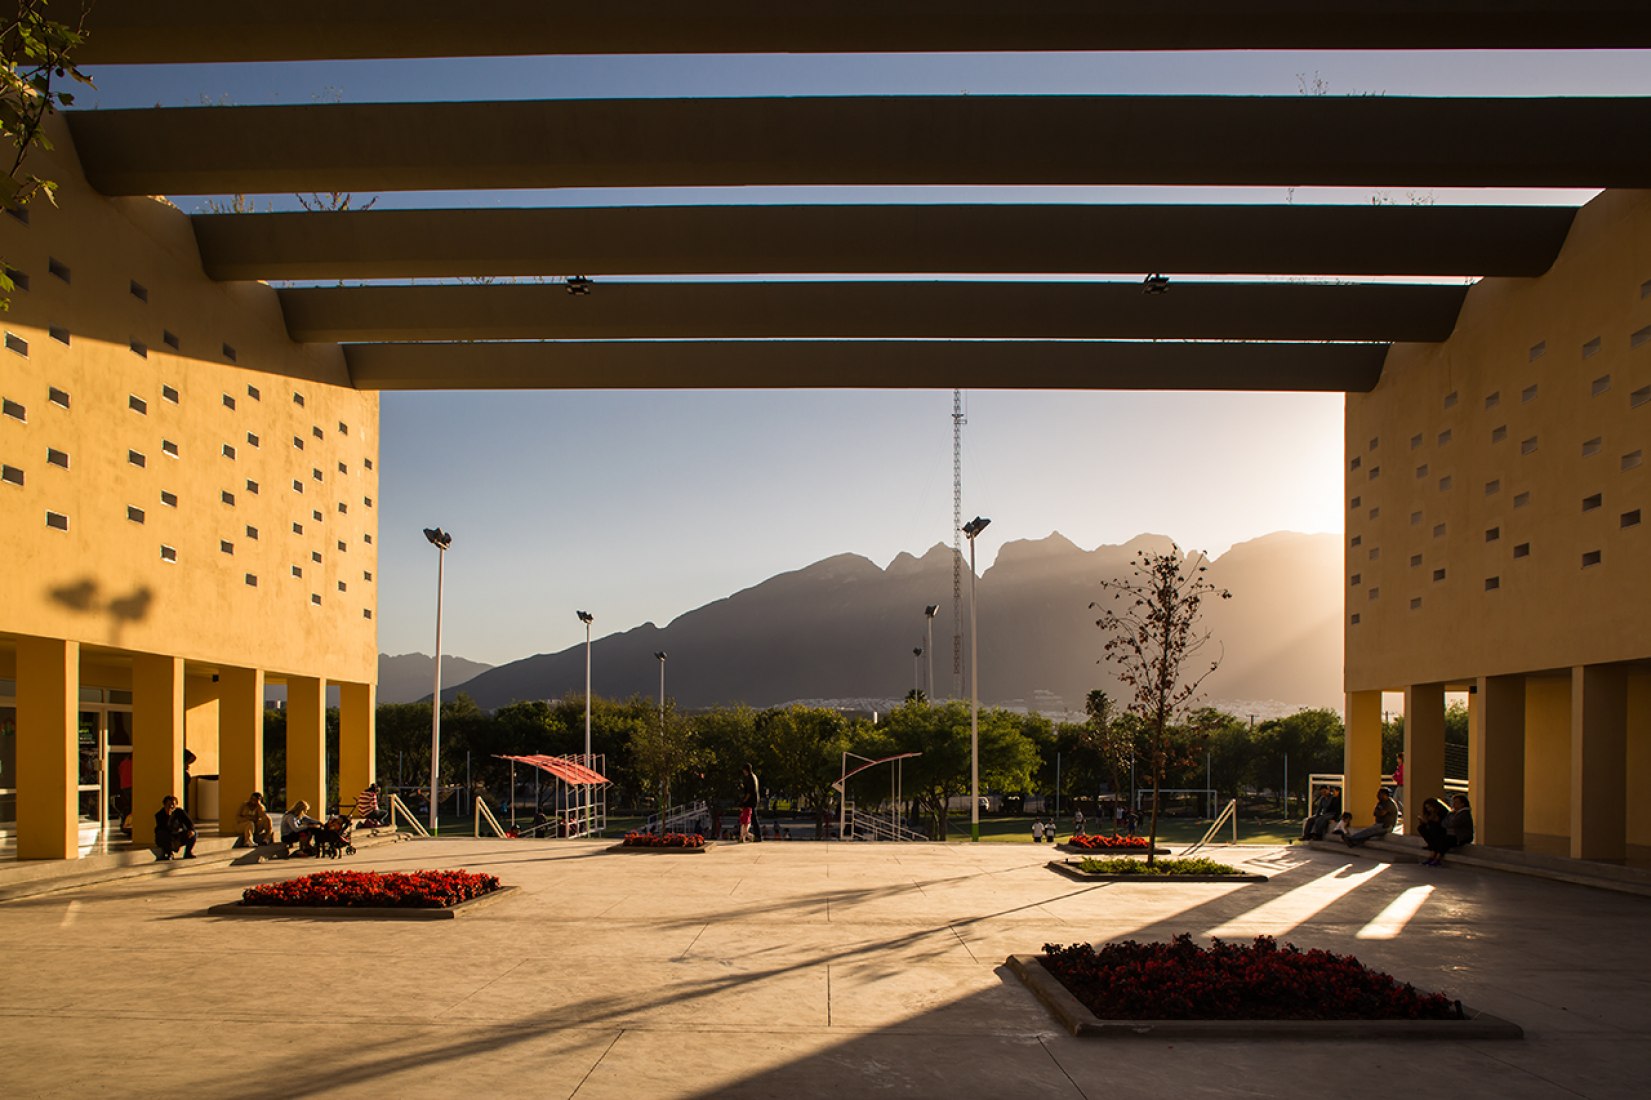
(787, 970)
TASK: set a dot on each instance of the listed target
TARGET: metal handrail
(412, 819)
(485, 814)
(677, 816)
(1229, 812)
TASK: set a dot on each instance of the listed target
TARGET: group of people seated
(1442, 829)
(175, 831)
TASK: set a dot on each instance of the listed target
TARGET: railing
(1229, 812)
(861, 826)
(485, 814)
(677, 818)
(1338, 779)
(397, 805)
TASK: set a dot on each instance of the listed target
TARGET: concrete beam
(888, 310)
(904, 240)
(1350, 141)
(207, 31)
(937, 364)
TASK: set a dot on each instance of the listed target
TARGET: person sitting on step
(173, 830)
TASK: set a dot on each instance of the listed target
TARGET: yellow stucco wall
(1475, 461)
(158, 369)
(1548, 756)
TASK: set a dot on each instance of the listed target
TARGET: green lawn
(1171, 830)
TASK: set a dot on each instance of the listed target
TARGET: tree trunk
(1157, 771)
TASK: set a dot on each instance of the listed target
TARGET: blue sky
(640, 506)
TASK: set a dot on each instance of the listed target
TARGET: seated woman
(173, 830)
(254, 823)
(1458, 829)
(298, 827)
(1431, 827)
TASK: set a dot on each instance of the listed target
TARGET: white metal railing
(485, 814)
(1338, 779)
(861, 826)
(1229, 813)
(677, 818)
(398, 806)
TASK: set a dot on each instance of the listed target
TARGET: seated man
(1457, 830)
(173, 830)
(1325, 811)
(1386, 814)
(367, 810)
(254, 822)
(298, 827)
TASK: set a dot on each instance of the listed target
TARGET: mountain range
(841, 632)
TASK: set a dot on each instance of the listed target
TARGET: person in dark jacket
(173, 830)
(750, 791)
(1457, 831)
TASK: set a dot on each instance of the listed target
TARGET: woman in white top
(298, 826)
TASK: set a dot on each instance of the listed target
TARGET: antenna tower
(958, 420)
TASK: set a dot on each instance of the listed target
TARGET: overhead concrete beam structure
(889, 310)
(205, 30)
(902, 240)
(1356, 141)
(870, 364)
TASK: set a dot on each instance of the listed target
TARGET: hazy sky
(640, 506)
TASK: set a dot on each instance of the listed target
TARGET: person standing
(1037, 830)
(1398, 782)
(749, 791)
(1077, 823)
(173, 830)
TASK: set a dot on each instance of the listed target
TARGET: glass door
(92, 791)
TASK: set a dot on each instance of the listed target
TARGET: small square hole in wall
(139, 291)
(1528, 394)
(225, 546)
(342, 545)
(297, 399)
(169, 499)
(1630, 519)
(252, 439)
(1416, 441)
(1354, 619)
(1537, 350)
(1632, 460)
(1639, 397)
(1492, 534)
(1493, 399)
(252, 532)
(252, 487)
(1645, 288)
(1492, 583)
(1591, 348)
(58, 268)
(343, 508)
(342, 587)
(229, 402)
(316, 431)
(368, 501)
(298, 528)
(170, 339)
(137, 458)
(14, 409)
(139, 349)
(1375, 472)
(229, 353)
(1375, 513)
(1438, 575)
(55, 457)
(57, 520)
(343, 428)
(298, 442)
(315, 556)
(367, 613)
(316, 515)
(1592, 447)
(252, 392)
(17, 345)
(1444, 437)
(252, 580)
(1438, 530)
(1356, 502)
(1375, 441)
(1493, 487)
(1374, 593)
(1639, 336)
(297, 486)
(58, 397)
(1589, 503)
(368, 539)
(1421, 471)
(21, 213)
(1592, 557)
(1445, 484)
(169, 553)
(1375, 553)
(60, 334)
(1415, 603)
(366, 576)
(170, 394)
(1450, 399)
(1358, 540)
(19, 279)
(1520, 500)
(137, 405)
(229, 451)
(315, 598)
(1415, 519)
(1415, 560)
(11, 475)
(367, 463)
(170, 448)
(227, 497)
(315, 473)
(1355, 580)
(1355, 463)
(1498, 434)
(1600, 385)
(298, 571)
(134, 513)
(1527, 446)
(343, 468)
(1523, 550)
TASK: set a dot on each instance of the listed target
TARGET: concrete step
(1410, 849)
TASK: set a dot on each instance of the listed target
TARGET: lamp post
(660, 655)
(929, 613)
(971, 529)
(587, 618)
(441, 540)
(916, 671)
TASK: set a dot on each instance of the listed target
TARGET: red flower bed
(1113, 843)
(390, 890)
(669, 840)
(1226, 981)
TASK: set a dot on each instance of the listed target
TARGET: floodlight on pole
(971, 529)
(441, 540)
(587, 618)
(929, 612)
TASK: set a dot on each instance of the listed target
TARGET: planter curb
(623, 847)
(1071, 870)
(359, 912)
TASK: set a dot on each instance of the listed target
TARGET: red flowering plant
(1228, 981)
(373, 889)
(1113, 843)
(669, 840)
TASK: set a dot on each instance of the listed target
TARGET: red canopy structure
(562, 768)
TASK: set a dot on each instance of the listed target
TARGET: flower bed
(1225, 981)
(373, 890)
(1113, 843)
(1122, 865)
(669, 840)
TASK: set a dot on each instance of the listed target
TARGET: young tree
(1155, 642)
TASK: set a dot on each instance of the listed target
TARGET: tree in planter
(1155, 642)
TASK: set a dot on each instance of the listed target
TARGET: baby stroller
(333, 839)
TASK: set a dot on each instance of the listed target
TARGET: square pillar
(307, 743)
(157, 739)
(48, 749)
(1599, 762)
(1424, 747)
(357, 740)
(1362, 759)
(240, 741)
(1496, 760)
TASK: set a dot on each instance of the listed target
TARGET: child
(1341, 828)
(1037, 831)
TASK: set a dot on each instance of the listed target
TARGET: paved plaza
(785, 970)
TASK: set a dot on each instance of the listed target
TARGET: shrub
(390, 889)
(669, 840)
(1226, 981)
(1123, 865)
(1113, 843)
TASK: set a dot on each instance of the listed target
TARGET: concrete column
(48, 748)
(307, 743)
(1496, 759)
(240, 741)
(157, 739)
(1424, 747)
(1599, 762)
(357, 739)
(1362, 755)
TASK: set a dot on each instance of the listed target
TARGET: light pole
(587, 618)
(441, 540)
(929, 613)
(660, 655)
(916, 672)
(971, 529)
